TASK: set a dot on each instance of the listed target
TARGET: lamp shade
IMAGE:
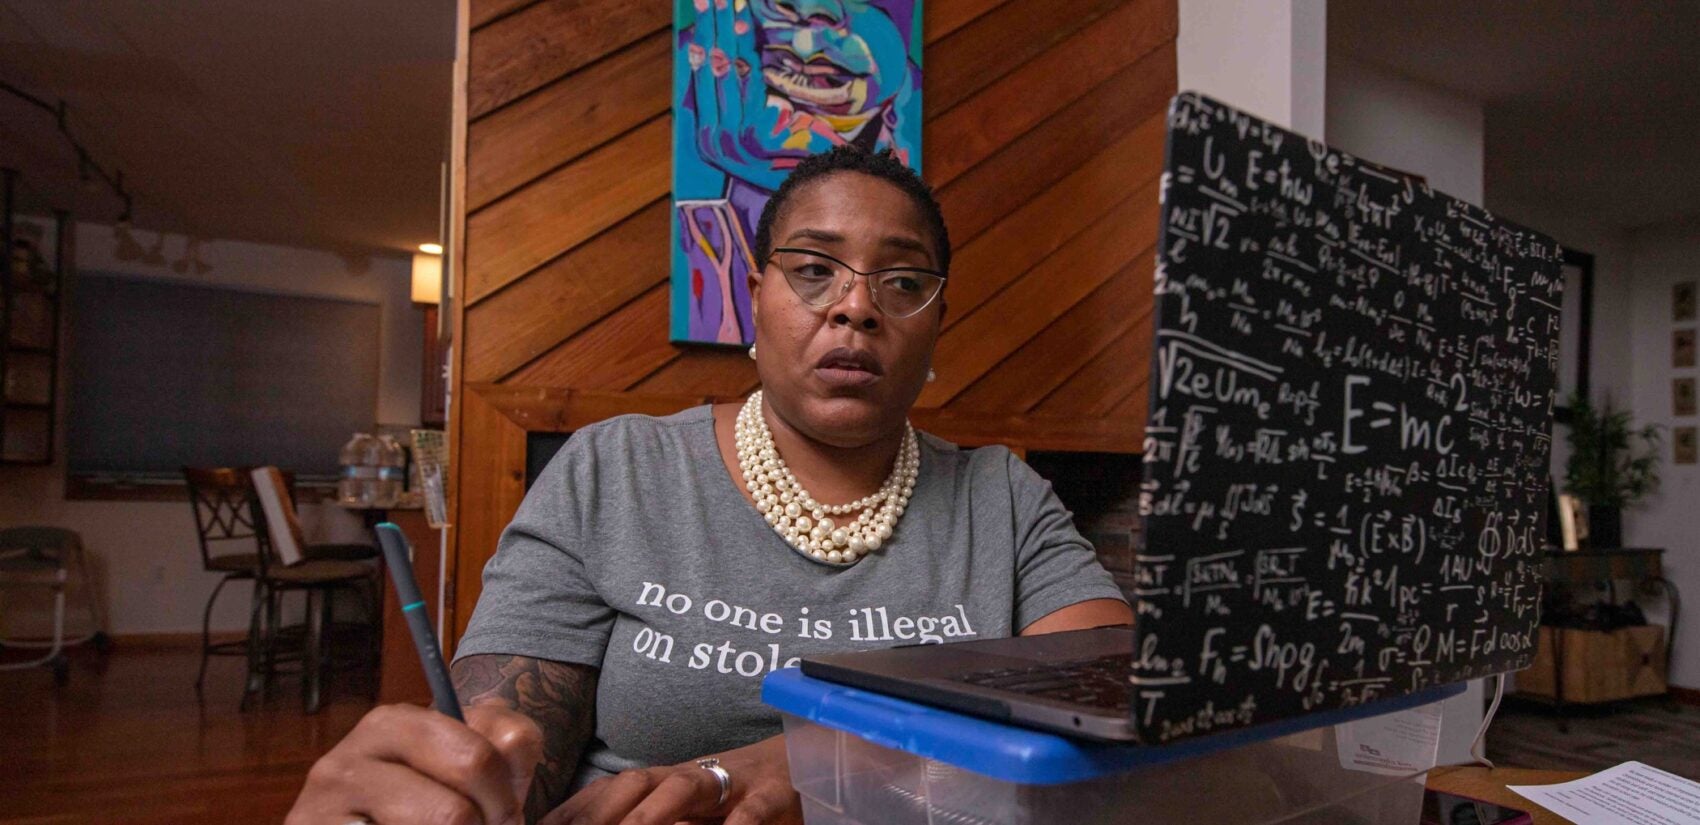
(427, 278)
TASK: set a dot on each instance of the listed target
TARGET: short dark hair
(851, 158)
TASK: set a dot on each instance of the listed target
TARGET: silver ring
(712, 765)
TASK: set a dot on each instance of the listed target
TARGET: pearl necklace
(807, 524)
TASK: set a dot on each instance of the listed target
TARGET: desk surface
(1489, 786)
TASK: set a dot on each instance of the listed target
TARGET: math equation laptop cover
(1346, 463)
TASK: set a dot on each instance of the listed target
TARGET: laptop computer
(1345, 465)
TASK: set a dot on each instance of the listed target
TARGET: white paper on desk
(1629, 794)
(1393, 744)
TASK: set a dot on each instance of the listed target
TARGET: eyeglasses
(822, 280)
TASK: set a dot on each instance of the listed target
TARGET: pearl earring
(931, 376)
(752, 352)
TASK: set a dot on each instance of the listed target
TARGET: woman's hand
(761, 792)
(407, 764)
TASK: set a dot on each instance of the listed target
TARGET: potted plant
(1611, 466)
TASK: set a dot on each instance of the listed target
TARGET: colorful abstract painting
(758, 85)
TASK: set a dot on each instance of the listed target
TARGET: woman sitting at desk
(661, 566)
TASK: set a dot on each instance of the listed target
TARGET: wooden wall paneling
(1124, 363)
(1022, 99)
(1134, 405)
(940, 19)
(568, 294)
(1010, 319)
(485, 11)
(543, 409)
(491, 473)
(521, 142)
(1068, 433)
(984, 265)
(1133, 99)
(1042, 364)
(547, 217)
(718, 371)
(529, 49)
(613, 354)
(998, 43)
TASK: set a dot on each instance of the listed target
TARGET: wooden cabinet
(1576, 665)
(1598, 665)
(401, 678)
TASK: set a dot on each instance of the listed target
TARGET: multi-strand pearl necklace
(806, 524)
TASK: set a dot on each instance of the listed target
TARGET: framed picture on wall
(1682, 399)
(1683, 445)
(1682, 301)
(758, 87)
(1682, 348)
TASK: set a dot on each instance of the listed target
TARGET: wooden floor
(1658, 732)
(126, 741)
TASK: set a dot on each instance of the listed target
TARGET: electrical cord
(1478, 747)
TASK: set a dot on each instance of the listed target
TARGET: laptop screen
(1346, 462)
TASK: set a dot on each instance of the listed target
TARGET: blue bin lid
(1016, 754)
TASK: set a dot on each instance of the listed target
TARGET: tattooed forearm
(560, 697)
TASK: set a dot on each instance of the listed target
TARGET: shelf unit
(31, 294)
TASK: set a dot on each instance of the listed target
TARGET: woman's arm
(560, 698)
(1081, 616)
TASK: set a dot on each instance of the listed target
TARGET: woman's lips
(846, 378)
(847, 367)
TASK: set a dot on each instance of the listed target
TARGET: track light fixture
(90, 172)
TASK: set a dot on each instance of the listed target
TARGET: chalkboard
(1345, 469)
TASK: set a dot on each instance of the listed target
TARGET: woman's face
(845, 374)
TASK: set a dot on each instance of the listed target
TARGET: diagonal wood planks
(1043, 138)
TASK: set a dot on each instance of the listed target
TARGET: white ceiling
(1594, 104)
(318, 123)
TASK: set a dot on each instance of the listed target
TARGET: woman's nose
(824, 12)
(856, 309)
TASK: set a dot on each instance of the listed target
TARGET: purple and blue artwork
(758, 85)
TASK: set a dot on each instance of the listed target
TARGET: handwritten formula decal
(1345, 470)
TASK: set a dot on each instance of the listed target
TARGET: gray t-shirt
(635, 552)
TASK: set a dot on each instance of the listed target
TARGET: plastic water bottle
(358, 485)
(391, 472)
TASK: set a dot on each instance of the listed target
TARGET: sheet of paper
(1394, 744)
(1629, 794)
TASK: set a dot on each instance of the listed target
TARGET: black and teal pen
(399, 559)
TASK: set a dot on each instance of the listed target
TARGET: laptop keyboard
(1099, 683)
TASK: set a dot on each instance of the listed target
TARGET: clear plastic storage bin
(860, 758)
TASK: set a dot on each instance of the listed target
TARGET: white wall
(1265, 57)
(145, 553)
(1660, 257)
(1408, 125)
